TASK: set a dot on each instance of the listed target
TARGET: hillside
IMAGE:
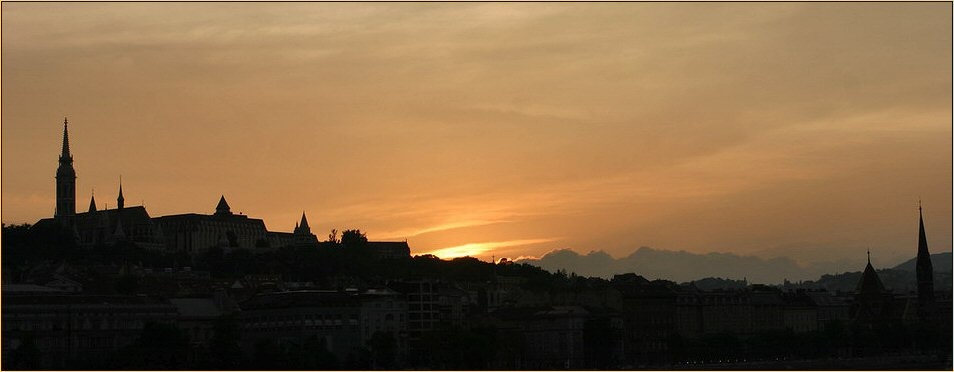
(942, 263)
(897, 281)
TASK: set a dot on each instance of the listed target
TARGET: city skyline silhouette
(507, 130)
(476, 186)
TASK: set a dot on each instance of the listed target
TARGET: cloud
(437, 228)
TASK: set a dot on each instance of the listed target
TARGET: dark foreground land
(887, 362)
(343, 305)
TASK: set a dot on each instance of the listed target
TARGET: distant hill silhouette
(711, 268)
(678, 266)
(942, 263)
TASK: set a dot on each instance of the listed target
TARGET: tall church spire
(922, 238)
(65, 154)
(65, 181)
(925, 273)
(120, 201)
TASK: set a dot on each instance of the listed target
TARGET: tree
(354, 239)
(15, 235)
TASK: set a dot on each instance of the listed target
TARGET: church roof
(870, 283)
(223, 206)
(194, 218)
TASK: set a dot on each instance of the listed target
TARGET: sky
(799, 130)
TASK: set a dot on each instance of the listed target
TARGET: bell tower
(65, 181)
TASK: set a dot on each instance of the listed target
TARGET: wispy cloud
(412, 232)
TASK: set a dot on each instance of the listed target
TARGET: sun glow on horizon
(476, 249)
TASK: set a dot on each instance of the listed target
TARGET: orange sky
(805, 130)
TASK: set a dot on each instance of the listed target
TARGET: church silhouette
(193, 233)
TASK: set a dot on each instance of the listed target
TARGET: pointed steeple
(304, 224)
(92, 203)
(223, 207)
(65, 181)
(120, 201)
(870, 283)
(922, 238)
(924, 271)
(65, 155)
(302, 233)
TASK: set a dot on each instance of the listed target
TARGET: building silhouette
(193, 233)
(341, 321)
(69, 327)
(301, 235)
(95, 226)
(873, 304)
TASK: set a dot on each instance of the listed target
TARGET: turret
(223, 209)
(302, 232)
(303, 227)
(92, 203)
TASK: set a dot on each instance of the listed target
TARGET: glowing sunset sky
(802, 130)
